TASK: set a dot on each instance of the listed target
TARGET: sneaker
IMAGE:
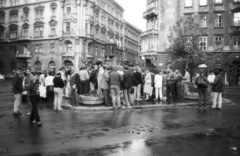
(219, 108)
(205, 107)
(213, 108)
(33, 122)
(16, 114)
(39, 124)
(28, 113)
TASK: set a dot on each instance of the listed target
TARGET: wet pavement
(171, 131)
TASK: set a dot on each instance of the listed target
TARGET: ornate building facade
(219, 20)
(49, 34)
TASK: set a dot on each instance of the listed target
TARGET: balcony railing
(25, 54)
(66, 54)
(150, 12)
(150, 32)
(25, 38)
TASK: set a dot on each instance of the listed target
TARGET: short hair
(110, 68)
(211, 71)
(186, 69)
(126, 68)
(58, 74)
(61, 68)
(19, 68)
(216, 72)
(50, 73)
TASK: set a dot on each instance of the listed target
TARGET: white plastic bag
(42, 91)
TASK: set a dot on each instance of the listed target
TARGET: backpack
(202, 82)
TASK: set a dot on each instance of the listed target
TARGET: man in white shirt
(210, 79)
(158, 82)
(186, 76)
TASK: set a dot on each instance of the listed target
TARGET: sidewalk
(137, 105)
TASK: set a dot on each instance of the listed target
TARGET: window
(53, 11)
(2, 17)
(203, 2)
(38, 48)
(203, 43)
(39, 13)
(1, 33)
(3, 3)
(236, 19)
(103, 18)
(96, 51)
(13, 50)
(188, 3)
(68, 10)
(13, 16)
(218, 20)
(25, 15)
(53, 30)
(69, 47)
(236, 42)
(25, 32)
(203, 21)
(68, 27)
(218, 42)
(39, 31)
(14, 2)
(1, 50)
(13, 33)
(52, 48)
(218, 1)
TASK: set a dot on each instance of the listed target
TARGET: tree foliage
(184, 43)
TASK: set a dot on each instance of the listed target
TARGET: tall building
(49, 34)
(220, 22)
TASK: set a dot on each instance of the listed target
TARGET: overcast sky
(133, 12)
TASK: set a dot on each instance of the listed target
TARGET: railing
(151, 31)
(68, 54)
(26, 54)
(25, 38)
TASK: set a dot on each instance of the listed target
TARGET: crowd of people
(120, 87)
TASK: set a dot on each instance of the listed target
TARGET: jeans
(137, 92)
(74, 97)
(34, 114)
(50, 93)
(158, 93)
(115, 91)
(128, 97)
(58, 93)
(202, 95)
(83, 87)
(217, 96)
(17, 102)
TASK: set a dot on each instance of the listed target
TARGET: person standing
(171, 92)
(58, 91)
(74, 83)
(34, 98)
(105, 84)
(202, 85)
(17, 88)
(186, 77)
(63, 77)
(137, 76)
(127, 85)
(115, 82)
(148, 85)
(49, 87)
(217, 90)
(158, 83)
(210, 79)
(93, 78)
(83, 87)
(26, 81)
(164, 88)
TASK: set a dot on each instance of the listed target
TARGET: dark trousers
(83, 87)
(50, 93)
(202, 95)
(106, 93)
(74, 97)
(34, 115)
(171, 92)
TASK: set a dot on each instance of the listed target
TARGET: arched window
(68, 63)
(69, 46)
(38, 66)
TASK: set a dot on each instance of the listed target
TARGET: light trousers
(137, 92)
(217, 96)
(115, 93)
(17, 102)
(58, 93)
(158, 93)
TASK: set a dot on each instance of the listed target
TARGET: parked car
(8, 76)
(2, 78)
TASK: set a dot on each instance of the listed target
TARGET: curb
(135, 107)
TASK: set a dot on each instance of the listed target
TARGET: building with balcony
(220, 22)
(49, 34)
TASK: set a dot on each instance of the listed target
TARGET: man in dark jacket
(202, 85)
(137, 84)
(17, 85)
(217, 90)
(127, 85)
(74, 83)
